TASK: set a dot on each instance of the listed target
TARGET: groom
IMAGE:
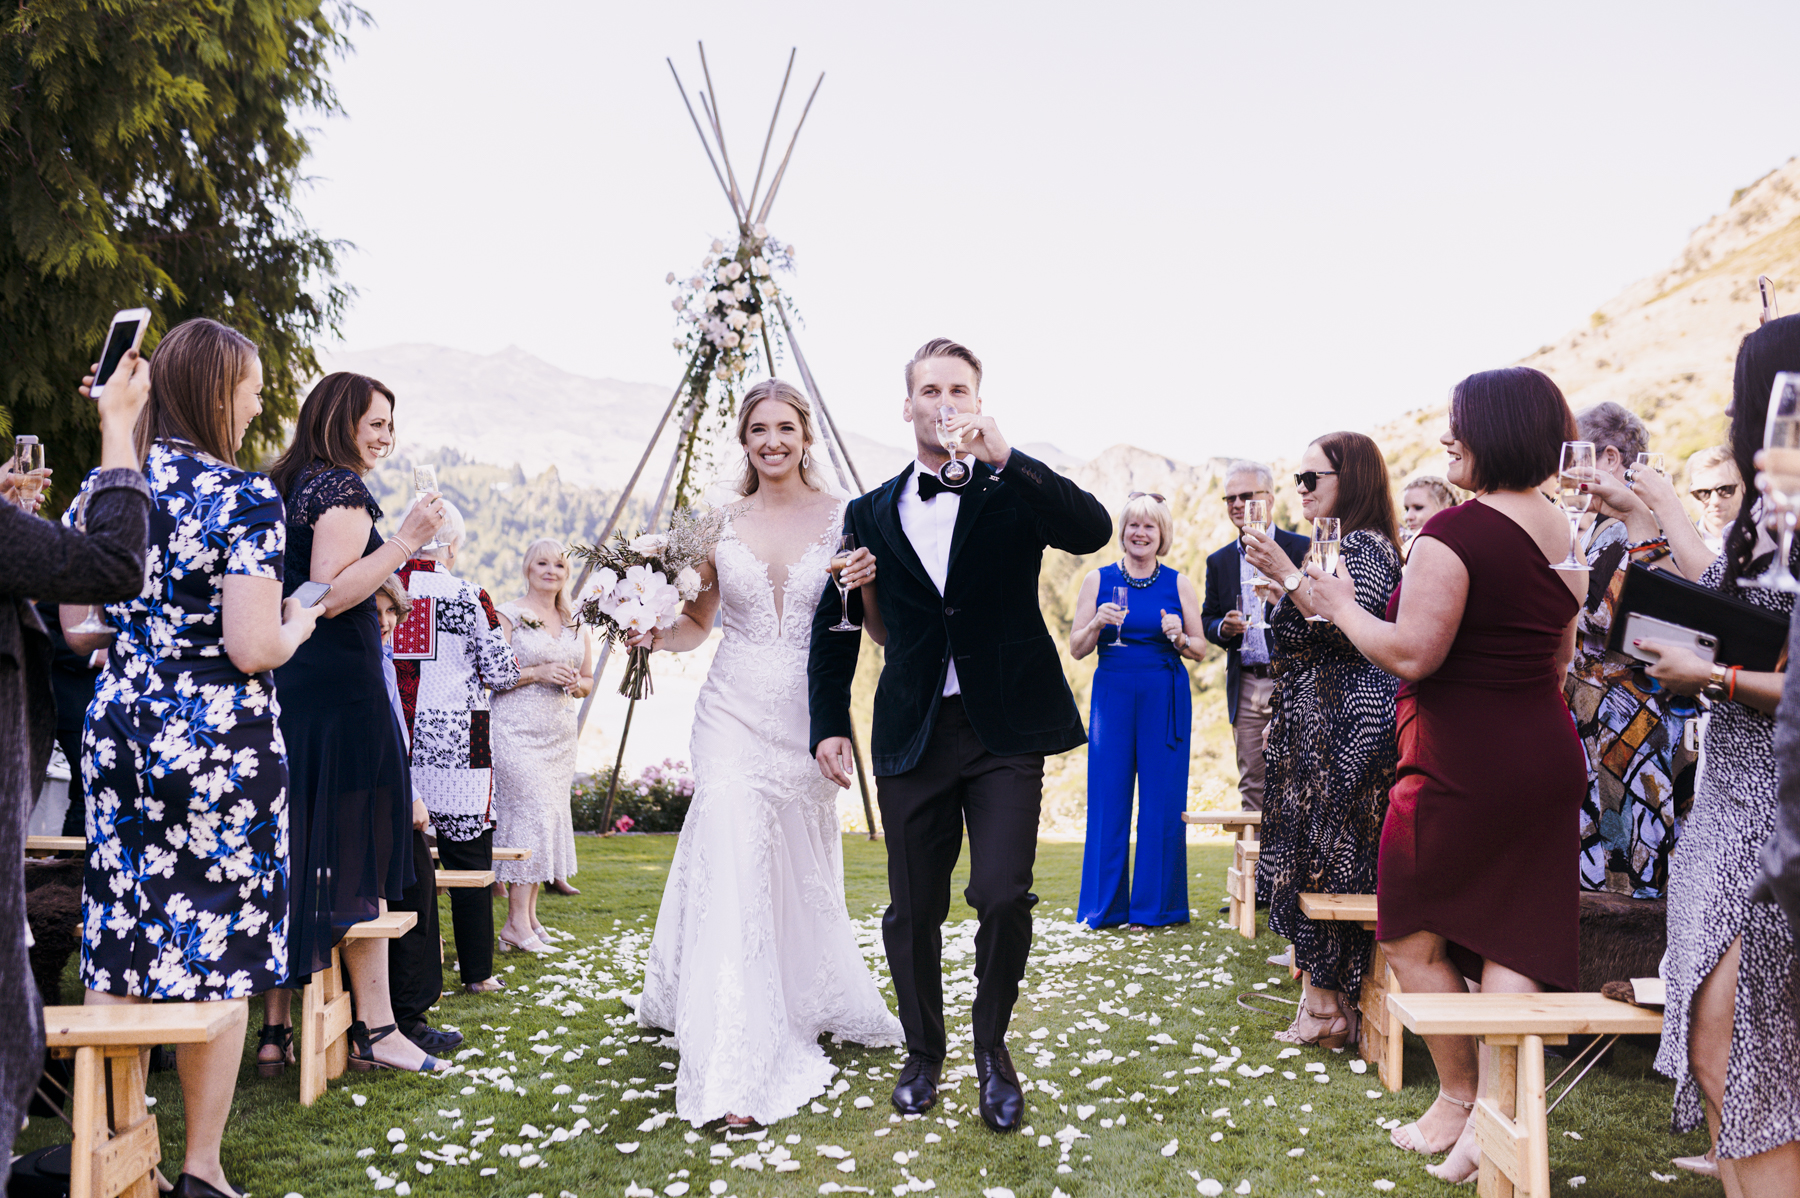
(971, 698)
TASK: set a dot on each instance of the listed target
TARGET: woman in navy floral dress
(182, 760)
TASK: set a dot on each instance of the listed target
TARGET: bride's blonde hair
(563, 606)
(790, 395)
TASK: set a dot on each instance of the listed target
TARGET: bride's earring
(806, 460)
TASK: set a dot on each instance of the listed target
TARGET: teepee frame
(690, 396)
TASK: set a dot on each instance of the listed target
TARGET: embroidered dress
(753, 957)
(446, 656)
(534, 756)
(185, 896)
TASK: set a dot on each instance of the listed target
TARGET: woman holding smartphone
(351, 818)
(185, 897)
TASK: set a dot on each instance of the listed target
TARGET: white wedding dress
(753, 957)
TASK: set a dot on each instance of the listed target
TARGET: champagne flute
(953, 473)
(839, 562)
(1326, 542)
(1650, 461)
(91, 622)
(425, 485)
(1257, 518)
(28, 460)
(1251, 604)
(1779, 481)
(1573, 494)
(1122, 601)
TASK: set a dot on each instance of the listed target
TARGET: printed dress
(186, 891)
(534, 755)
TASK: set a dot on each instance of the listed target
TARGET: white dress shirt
(929, 525)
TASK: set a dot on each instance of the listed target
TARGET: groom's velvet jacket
(988, 618)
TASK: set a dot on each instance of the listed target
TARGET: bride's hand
(860, 569)
(651, 640)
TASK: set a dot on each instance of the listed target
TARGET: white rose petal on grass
(1171, 1148)
(1211, 1187)
(627, 1148)
(847, 1165)
(997, 1192)
(403, 1189)
(1383, 1184)
(1243, 1187)
(675, 1189)
(1084, 1112)
(396, 1134)
(1296, 1152)
(359, 1099)
(832, 1151)
(1577, 1181)
(863, 1103)
(1663, 1177)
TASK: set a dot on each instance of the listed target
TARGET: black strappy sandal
(274, 1035)
(363, 1039)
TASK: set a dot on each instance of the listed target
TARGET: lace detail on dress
(754, 957)
(322, 487)
(534, 755)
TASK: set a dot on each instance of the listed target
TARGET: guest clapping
(1477, 872)
(1331, 747)
(186, 894)
(1142, 712)
(534, 739)
(350, 819)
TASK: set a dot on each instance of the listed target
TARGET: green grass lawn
(1134, 1047)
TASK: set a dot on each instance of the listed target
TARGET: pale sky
(1200, 228)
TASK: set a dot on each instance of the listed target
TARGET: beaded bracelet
(1651, 556)
(1650, 543)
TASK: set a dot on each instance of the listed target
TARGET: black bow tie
(930, 485)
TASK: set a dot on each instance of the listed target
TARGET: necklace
(1139, 583)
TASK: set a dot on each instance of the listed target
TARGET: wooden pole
(812, 389)
(710, 102)
(776, 116)
(631, 483)
(612, 789)
(704, 144)
(775, 183)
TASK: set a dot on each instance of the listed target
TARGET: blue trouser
(1138, 728)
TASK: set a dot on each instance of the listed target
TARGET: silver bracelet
(395, 538)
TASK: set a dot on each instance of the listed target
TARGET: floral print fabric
(185, 896)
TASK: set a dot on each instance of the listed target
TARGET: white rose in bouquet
(759, 231)
(718, 247)
(757, 267)
(736, 318)
(688, 583)
(732, 340)
(649, 544)
(733, 270)
(740, 290)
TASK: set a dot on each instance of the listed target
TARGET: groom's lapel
(981, 489)
(886, 506)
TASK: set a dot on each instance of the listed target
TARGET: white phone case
(1639, 627)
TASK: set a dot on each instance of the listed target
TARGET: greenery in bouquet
(639, 583)
(657, 801)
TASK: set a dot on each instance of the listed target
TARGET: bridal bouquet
(639, 583)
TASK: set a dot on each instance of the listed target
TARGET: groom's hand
(981, 437)
(835, 761)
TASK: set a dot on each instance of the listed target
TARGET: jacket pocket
(1036, 695)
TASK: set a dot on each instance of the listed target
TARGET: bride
(753, 957)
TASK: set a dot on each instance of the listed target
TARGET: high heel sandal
(363, 1039)
(530, 944)
(1334, 1040)
(1410, 1139)
(274, 1035)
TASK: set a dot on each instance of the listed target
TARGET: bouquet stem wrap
(636, 684)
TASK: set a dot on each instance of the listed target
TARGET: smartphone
(1770, 311)
(1639, 627)
(311, 594)
(127, 333)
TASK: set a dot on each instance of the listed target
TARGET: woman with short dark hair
(1477, 872)
(351, 826)
(1330, 752)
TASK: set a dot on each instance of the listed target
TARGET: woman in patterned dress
(534, 741)
(1331, 751)
(351, 818)
(753, 957)
(185, 897)
(1730, 1038)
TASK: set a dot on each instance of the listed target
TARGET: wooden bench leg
(1394, 1060)
(88, 1114)
(324, 1025)
(116, 1148)
(1510, 1121)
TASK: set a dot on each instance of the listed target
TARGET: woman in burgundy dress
(1478, 872)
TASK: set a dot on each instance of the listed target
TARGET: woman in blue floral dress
(185, 896)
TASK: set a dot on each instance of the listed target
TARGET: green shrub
(657, 801)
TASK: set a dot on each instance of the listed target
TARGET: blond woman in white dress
(754, 958)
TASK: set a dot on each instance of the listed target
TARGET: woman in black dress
(350, 819)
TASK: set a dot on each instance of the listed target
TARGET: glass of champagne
(953, 473)
(425, 485)
(1251, 604)
(1779, 481)
(91, 622)
(1326, 542)
(839, 561)
(1122, 601)
(1258, 518)
(1573, 494)
(28, 460)
(1650, 461)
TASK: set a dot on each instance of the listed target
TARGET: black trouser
(415, 974)
(75, 818)
(471, 910)
(923, 812)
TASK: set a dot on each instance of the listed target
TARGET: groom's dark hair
(943, 347)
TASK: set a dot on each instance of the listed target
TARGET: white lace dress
(534, 756)
(753, 957)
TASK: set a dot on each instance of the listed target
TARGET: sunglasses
(1145, 494)
(1308, 480)
(1723, 491)
(1246, 497)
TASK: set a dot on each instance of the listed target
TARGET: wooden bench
(1511, 1120)
(1240, 876)
(463, 879)
(116, 1148)
(55, 846)
(1380, 1043)
(325, 1016)
(501, 853)
(1243, 821)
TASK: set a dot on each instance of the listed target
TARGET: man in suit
(1249, 683)
(971, 699)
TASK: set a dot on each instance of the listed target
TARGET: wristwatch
(1291, 583)
(1715, 686)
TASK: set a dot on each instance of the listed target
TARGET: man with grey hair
(1249, 681)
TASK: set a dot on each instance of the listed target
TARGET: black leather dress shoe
(1002, 1102)
(189, 1186)
(916, 1091)
(433, 1040)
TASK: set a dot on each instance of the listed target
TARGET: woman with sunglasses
(1142, 710)
(1330, 754)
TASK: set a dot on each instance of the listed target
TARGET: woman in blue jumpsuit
(1139, 724)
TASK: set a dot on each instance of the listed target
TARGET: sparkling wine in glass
(1122, 600)
(91, 622)
(955, 472)
(1650, 461)
(1326, 542)
(1779, 481)
(1574, 494)
(425, 485)
(839, 562)
(1251, 604)
(1258, 518)
(28, 462)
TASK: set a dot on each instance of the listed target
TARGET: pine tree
(152, 157)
